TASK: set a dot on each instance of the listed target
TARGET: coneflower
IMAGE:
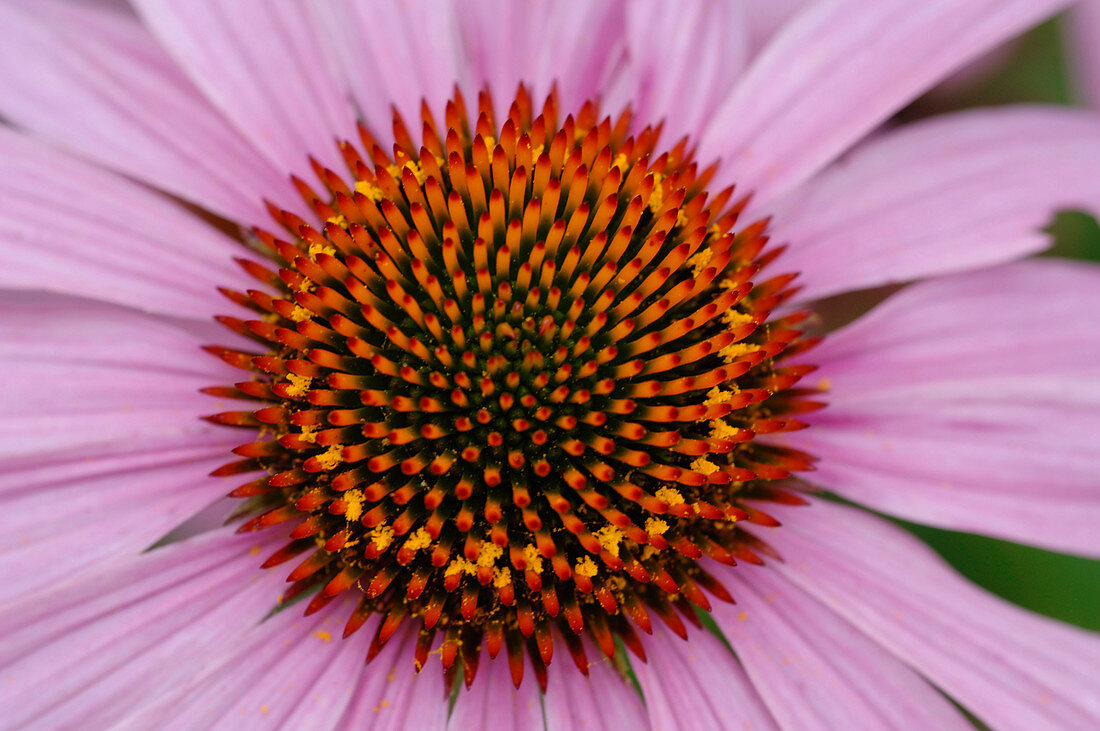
(525, 383)
(511, 387)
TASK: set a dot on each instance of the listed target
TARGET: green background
(1036, 69)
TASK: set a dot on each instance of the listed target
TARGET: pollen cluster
(509, 389)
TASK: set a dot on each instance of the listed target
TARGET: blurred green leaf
(1060, 586)
(1076, 236)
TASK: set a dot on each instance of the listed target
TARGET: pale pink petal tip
(836, 71)
(920, 201)
(970, 402)
(1011, 668)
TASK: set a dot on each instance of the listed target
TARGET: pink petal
(102, 447)
(1084, 45)
(682, 60)
(970, 402)
(766, 17)
(956, 192)
(296, 672)
(813, 668)
(137, 113)
(493, 702)
(391, 695)
(416, 42)
(840, 68)
(71, 227)
(262, 65)
(697, 684)
(80, 373)
(603, 701)
(55, 530)
(1013, 669)
(86, 652)
(574, 43)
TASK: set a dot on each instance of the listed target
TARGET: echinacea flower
(515, 354)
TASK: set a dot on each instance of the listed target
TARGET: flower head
(513, 385)
(525, 386)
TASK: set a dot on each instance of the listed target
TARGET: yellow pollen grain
(331, 457)
(381, 537)
(502, 577)
(742, 616)
(655, 526)
(490, 143)
(533, 559)
(670, 496)
(263, 709)
(715, 230)
(315, 249)
(309, 434)
(369, 190)
(354, 501)
(825, 384)
(717, 396)
(733, 351)
(704, 466)
(657, 197)
(418, 540)
(297, 386)
(412, 167)
(649, 552)
(736, 318)
(304, 285)
(489, 554)
(610, 537)
(621, 162)
(323, 636)
(338, 220)
(721, 430)
(460, 565)
(700, 261)
(253, 551)
(300, 314)
(586, 567)
(537, 152)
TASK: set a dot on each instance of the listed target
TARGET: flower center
(511, 387)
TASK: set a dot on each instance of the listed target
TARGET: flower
(508, 405)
